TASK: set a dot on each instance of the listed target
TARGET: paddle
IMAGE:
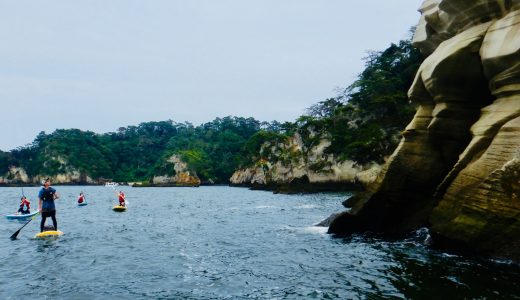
(117, 194)
(13, 237)
(23, 195)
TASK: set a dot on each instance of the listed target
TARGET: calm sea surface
(225, 243)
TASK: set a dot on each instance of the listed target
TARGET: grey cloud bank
(99, 65)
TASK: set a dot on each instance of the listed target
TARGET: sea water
(225, 243)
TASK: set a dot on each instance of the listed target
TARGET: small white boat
(111, 184)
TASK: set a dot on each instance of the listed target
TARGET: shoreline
(304, 188)
(286, 188)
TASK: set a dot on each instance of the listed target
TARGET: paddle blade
(13, 237)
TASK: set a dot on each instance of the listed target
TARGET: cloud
(100, 65)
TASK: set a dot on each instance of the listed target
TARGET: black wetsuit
(23, 210)
(48, 209)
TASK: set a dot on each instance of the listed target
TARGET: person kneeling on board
(25, 206)
(81, 198)
(121, 197)
(46, 196)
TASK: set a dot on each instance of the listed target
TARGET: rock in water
(457, 167)
(327, 221)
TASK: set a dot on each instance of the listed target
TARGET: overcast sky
(99, 65)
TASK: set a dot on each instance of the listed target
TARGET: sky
(99, 65)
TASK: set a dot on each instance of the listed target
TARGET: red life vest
(26, 203)
(80, 199)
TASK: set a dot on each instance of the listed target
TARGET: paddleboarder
(121, 197)
(25, 206)
(81, 198)
(46, 206)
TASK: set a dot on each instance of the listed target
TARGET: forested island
(361, 125)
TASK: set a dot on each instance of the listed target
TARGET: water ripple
(227, 243)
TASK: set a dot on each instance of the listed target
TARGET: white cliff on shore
(17, 175)
(292, 160)
(182, 176)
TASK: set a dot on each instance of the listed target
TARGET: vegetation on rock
(362, 123)
(137, 153)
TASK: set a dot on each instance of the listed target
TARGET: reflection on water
(226, 243)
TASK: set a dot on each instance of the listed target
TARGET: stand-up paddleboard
(21, 217)
(48, 234)
(82, 203)
(119, 208)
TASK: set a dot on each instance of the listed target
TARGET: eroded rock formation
(294, 167)
(18, 175)
(182, 176)
(457, 167)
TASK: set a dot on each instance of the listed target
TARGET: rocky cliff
(457, 168)
(291, 166)
(17, 175)
(182, 175)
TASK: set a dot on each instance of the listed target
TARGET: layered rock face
(291, 166)
(17, 175)
(457, 167)
(182, 176)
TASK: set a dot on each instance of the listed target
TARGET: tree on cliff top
(365, 120)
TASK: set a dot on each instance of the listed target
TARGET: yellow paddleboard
(119, 208)
(48, 234)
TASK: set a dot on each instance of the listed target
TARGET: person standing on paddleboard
(46, 196)
(121, 197)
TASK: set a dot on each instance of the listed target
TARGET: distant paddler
(122, 203)
(121, 197)
(46, 196)
(81, 198)
(23, 212)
